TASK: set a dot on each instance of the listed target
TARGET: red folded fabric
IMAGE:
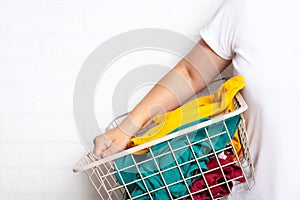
(216, 177)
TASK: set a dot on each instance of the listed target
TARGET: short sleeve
(222, 29)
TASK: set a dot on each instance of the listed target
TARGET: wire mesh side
(103, 179)
(246, 160)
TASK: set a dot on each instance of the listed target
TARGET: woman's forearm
(187, 78)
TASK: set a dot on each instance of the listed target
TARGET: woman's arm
(188, 77)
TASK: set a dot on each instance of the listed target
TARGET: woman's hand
(110, 142)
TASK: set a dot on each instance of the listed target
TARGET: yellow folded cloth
(236, 138)
(202, 107)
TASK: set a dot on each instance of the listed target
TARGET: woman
(261, 43)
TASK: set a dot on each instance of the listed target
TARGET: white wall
(43, 44)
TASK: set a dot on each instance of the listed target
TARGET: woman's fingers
(110, 151)
(101, 143)
(110, 142)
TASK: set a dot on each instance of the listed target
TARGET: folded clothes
(215, 177)
(142, 172)
(202, 107)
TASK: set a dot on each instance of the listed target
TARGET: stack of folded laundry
(191, 164)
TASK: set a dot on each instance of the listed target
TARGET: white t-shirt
(262, 39)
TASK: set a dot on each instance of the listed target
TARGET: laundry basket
(171, 171)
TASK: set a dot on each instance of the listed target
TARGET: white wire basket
(179, 165)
